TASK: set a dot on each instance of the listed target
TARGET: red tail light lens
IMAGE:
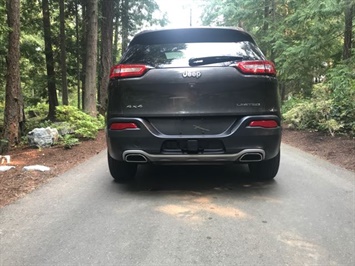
(128, 71)
(123, 126)
(259, 67)
(264, 124)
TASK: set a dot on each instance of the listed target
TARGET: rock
(41, 168)
(64, 128)
(5, 159)
(4, 168)
(42, 137)
(54, 133)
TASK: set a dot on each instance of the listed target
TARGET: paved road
(186, 216)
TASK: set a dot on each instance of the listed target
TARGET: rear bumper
(245, 156)
(238, 144)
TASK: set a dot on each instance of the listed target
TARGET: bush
(292, 101)
(331, 107)
(341, 82)
(76, 121)
(40, 110)
(304, 115)
(69, 141)
(85, 126)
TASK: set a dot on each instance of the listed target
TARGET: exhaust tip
(251, 157)
(135, 158)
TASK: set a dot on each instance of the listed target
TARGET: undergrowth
(71, 123)
(331, 107)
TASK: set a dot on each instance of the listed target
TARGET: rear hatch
(193, 73)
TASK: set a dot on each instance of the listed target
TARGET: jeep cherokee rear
(193, 96)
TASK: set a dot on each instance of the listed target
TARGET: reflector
(123, 126)
(264, 123)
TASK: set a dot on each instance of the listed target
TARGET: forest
(312, 45)
(55, 57)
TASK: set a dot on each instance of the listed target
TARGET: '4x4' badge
(192, 74)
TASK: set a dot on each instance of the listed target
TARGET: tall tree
(85, 18)
(63, 54)
(91, 58)
(106, 50)
(77, 43)
(125, 24)
(13, 104)
(52, 92)
(115, 50)
(349, 14)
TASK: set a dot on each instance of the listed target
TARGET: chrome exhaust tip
(135, 158)
(251, 157)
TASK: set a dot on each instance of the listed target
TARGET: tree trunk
(52, 92)
(349, 13)
(91, 58)
(266, 26)
(78, 69)
(115, 40)
(125, 24)
(106, 51)
(63, 54)
(83, 52)
(266, 15)
(13, 116)
(273, 21)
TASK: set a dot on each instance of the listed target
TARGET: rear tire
(265, 170)
(121, 171)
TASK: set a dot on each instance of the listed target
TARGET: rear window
(178, 54)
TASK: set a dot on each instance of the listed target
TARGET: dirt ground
(16, 183)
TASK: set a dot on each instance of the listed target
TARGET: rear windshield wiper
(198, 61)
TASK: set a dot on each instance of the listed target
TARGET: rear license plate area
(193, 147)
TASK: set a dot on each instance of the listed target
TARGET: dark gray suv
(193, 96)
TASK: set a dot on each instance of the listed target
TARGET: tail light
(259, 67)
(128, 71)
(264, 124)
(123, 126)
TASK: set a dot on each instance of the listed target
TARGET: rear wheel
(265, 170)
(121, 171)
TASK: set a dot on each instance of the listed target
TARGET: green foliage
(140, 13)
(331, 107)
(39, 110)
(35, 117)
(68, 141)
(33, 64)
(291, 103)
(303, 115)
(315, 115)
(69, 118)
(36, 122)
(305, 40)
(341, 84)
(85, 126)
(300, 36)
